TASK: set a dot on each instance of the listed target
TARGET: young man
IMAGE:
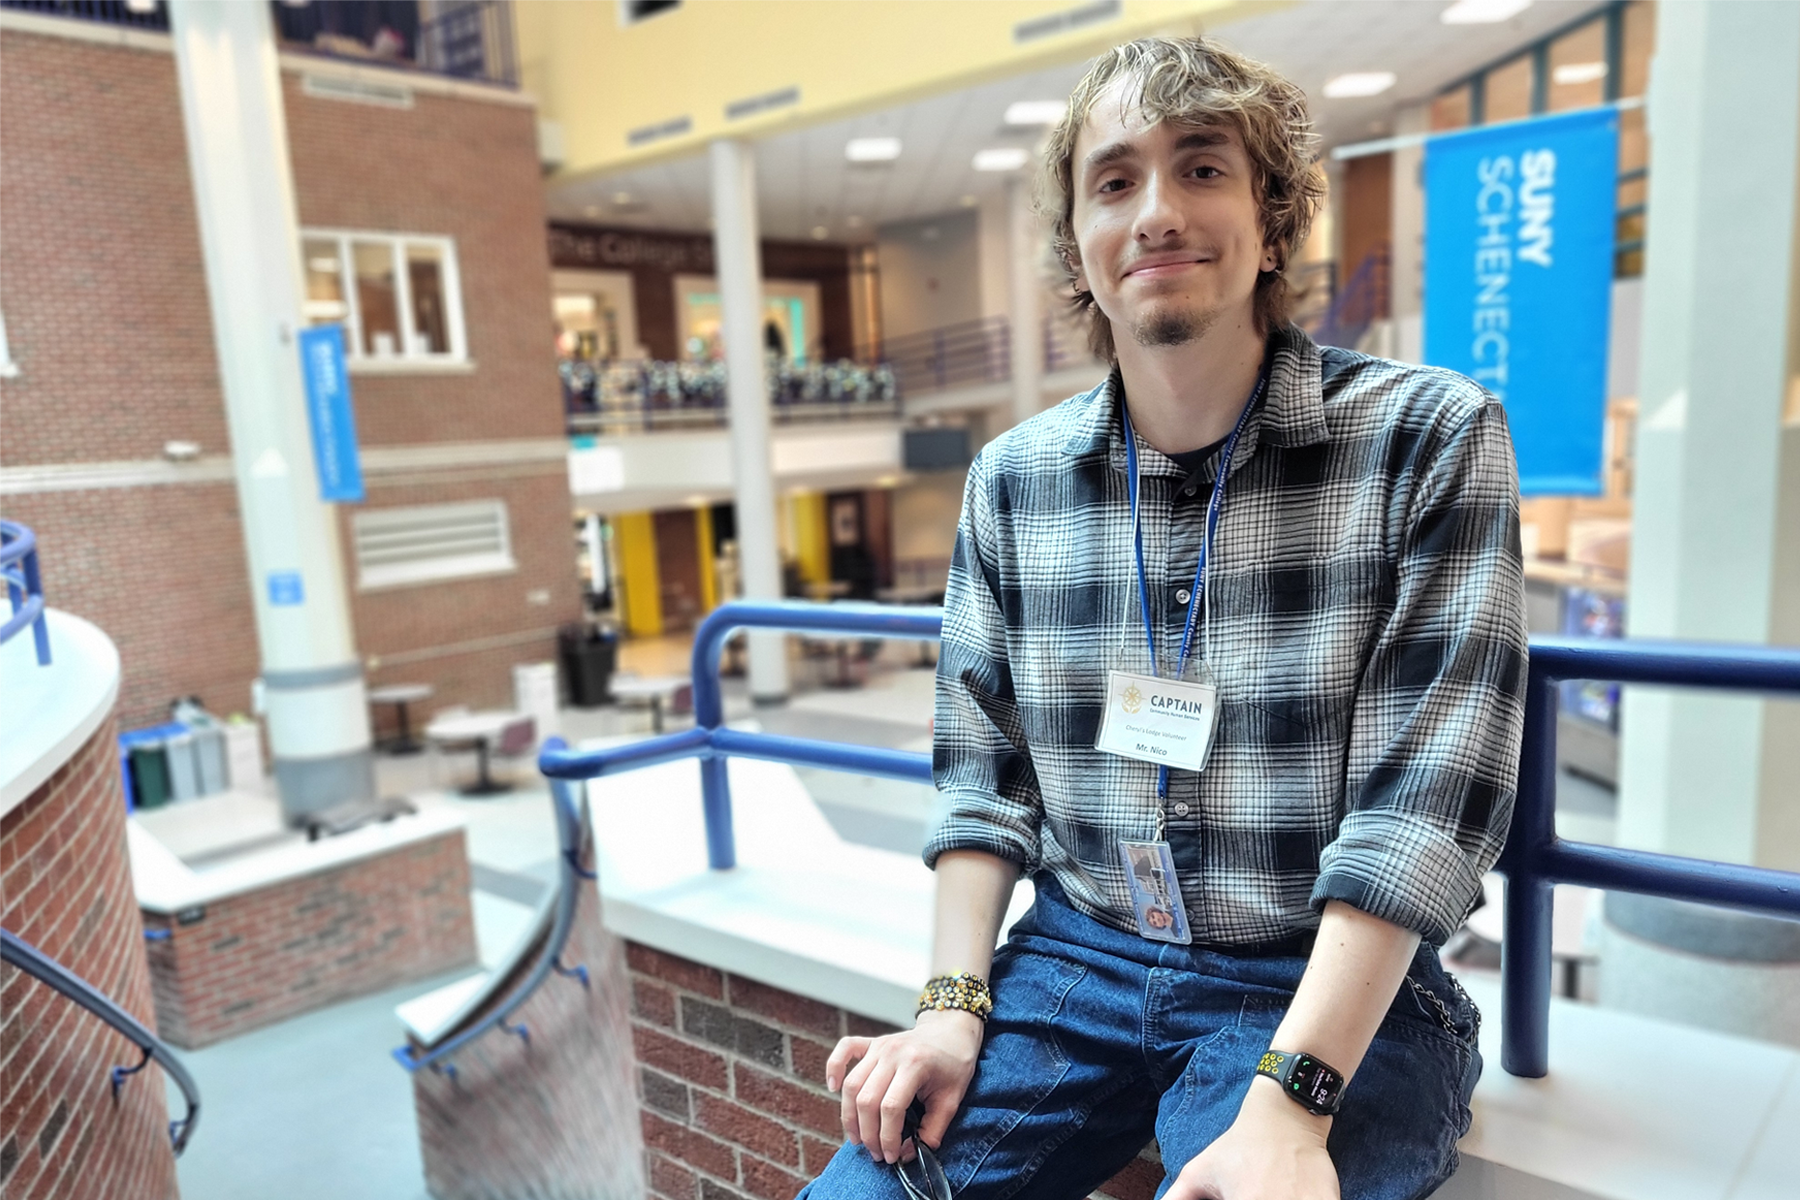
(1246, 624)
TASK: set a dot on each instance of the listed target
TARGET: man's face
(1165, 220)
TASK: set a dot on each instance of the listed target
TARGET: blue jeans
(1099, 1038)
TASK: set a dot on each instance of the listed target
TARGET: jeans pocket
(1022, 1055)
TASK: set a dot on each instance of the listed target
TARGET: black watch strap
(1308, 1082)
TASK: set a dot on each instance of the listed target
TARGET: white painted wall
(931, 273)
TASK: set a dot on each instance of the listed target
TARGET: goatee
(1171, 328)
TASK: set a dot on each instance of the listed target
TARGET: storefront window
(1508, 92)
(1451, 110)
(1578, 68)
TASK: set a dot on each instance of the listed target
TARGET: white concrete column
(1026, 301)
(739, 266)
(1406, 266)
(318, 714)
(1716, 537)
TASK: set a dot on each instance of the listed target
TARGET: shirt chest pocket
(1291, 641)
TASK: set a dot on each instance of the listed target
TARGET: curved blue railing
(572, 837)
(24, 587)
(1534, 860)
(40, 966)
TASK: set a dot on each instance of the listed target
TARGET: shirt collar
(1292, 412)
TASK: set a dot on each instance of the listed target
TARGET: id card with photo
(1168, 722)
(1155, 892)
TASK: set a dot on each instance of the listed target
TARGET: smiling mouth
(1166, 268)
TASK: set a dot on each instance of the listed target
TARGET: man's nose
(1159, 216)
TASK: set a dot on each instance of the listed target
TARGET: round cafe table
(479, 729)
(400, 695)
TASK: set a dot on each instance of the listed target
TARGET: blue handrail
(1534, 858)
(24, 587)
(572, 833)
(40, 966)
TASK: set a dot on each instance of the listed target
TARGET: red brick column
(250, 960)
(731, 1073)
(65, 887)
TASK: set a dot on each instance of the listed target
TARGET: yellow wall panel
(812, 549)
(709, 567)
(638, 576)
(602, 80)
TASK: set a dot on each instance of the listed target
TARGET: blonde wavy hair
(1193, 81)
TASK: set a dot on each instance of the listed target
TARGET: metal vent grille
(397, 546)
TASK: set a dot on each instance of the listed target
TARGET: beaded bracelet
(964, 990)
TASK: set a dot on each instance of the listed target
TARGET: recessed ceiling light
(1035, 112)
(1359, 83)
(872, 149)
(820, 233)
(621, 198)
(1575, 73)
(969, 201)
(1001, 158)
(1482, 12)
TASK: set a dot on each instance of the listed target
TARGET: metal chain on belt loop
(1443, 1012)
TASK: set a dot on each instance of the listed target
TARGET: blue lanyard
(1213, 505)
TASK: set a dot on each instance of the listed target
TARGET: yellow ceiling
(601, 80)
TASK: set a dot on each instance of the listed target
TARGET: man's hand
(933, 1061)
(1275, 1150)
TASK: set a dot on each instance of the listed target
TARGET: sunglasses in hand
(923, 1178)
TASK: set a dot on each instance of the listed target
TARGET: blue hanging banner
(328, 406)
(1519, 234)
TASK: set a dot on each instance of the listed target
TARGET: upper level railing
(972, 353)
(464, 39)
(1362, 302)
(635, 397)
(42, 967)
(1535, 858)
(24, 587)
(574, 838)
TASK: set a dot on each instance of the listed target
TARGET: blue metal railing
(40, 966)
(24, 587)
(572, 833)
(1534, 859)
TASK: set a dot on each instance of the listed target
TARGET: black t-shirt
(1192, 462)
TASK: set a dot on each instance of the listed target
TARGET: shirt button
(1181, 809)
(1182, 595)
(1189, 490)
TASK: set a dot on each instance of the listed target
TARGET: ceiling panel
(804, 183)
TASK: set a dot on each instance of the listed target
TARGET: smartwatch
(1307, 1081)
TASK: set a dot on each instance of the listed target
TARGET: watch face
(1314, 1083)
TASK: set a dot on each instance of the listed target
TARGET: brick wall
(731, 1074)
(464, 636)
(304, 943)
(104, 294)
(162, 570)
(65, 887)
(466, 169)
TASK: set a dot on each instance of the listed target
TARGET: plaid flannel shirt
(1367, 636)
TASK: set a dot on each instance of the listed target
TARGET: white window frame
(381, 576)
(8, 368)
(406, 359)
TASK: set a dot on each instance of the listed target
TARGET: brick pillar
(66, 884)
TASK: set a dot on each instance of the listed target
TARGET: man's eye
(1113, 185)
(1207, 172)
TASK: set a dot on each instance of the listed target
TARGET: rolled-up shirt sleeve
(988, 790)
(1434, 750)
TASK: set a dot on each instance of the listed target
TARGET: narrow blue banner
(1519, 234)
(328, 406)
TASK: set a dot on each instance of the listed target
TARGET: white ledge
(1633, 1109)
(50, 712)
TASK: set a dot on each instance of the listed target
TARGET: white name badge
(1162, 721)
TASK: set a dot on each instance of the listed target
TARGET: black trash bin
(588, 654)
